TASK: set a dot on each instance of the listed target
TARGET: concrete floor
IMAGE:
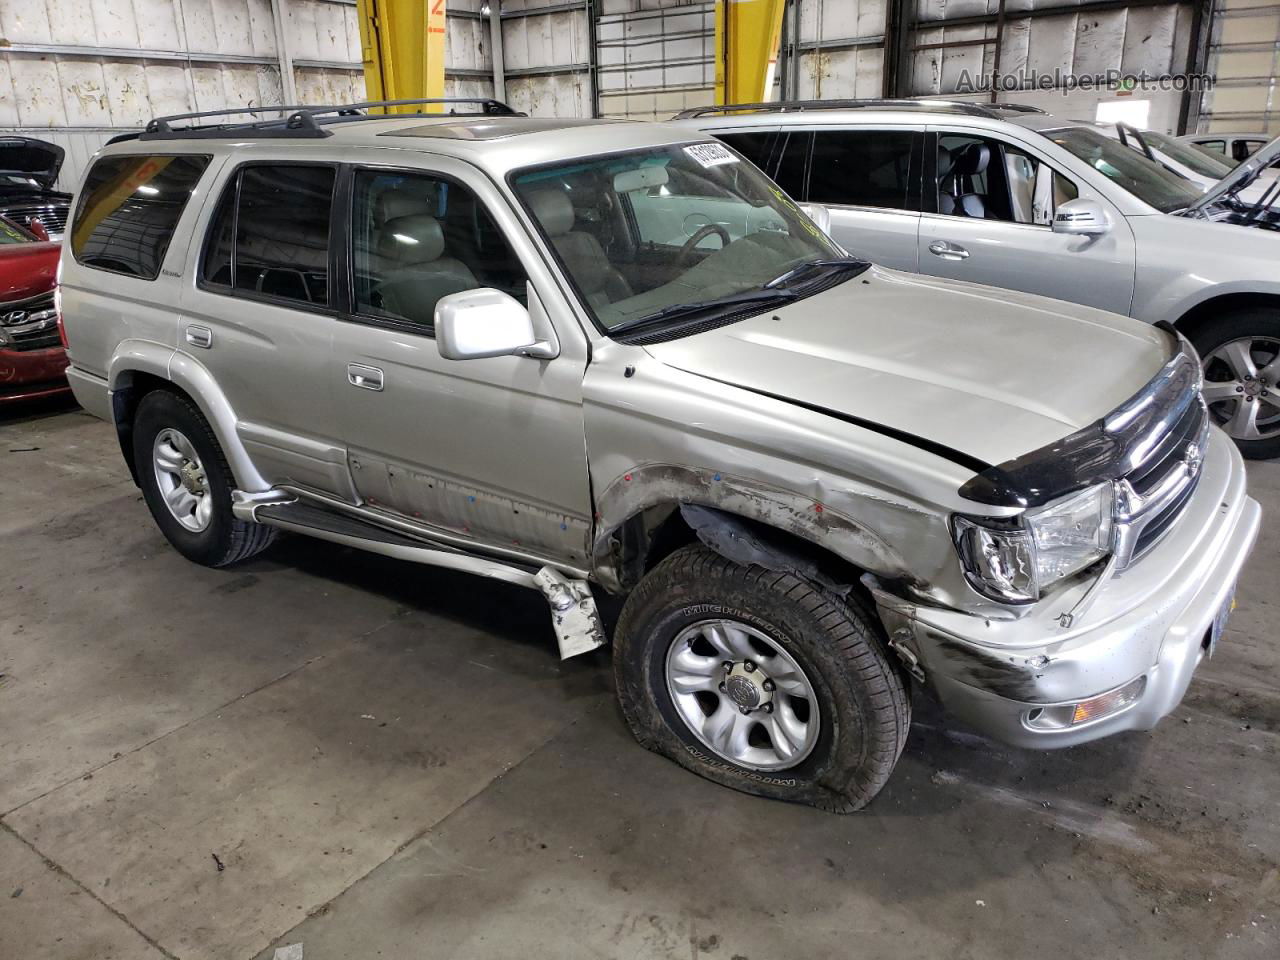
(373, 759)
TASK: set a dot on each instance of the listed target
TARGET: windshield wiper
(782, 280)
(679, 311)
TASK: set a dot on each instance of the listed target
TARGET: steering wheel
(704, 231)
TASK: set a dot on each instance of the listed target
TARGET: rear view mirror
(642, 178)
(483, 323)
(1081, 217)
(819, 214)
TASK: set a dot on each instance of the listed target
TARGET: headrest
(946, 160)
(402, 203)
(972, 160)
(553, 209)
(413, 239)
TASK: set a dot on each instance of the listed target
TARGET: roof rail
(787, 106)
(301, 120)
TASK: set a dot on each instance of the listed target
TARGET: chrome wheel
(742, 695)
(1242, 387)
(181, 480)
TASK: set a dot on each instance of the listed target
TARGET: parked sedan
(32, 357)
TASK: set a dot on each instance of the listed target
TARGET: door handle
(948, 251)
(367, 378)
(199, 336)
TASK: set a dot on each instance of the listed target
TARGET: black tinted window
(128, 211)
(866, 168)
(792, 162)
(760, 148)
(270, 235)
(417, 238)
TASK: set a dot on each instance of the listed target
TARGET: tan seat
(418, 274)
(599, 282)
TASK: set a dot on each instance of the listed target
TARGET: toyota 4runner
(492, 343)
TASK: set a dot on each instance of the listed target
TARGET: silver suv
(1016, 198)
(490, 343)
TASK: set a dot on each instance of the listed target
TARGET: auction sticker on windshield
(710, 154)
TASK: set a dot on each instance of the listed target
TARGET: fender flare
(195, 380)
(666, 485)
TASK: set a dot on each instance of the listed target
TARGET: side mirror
(37, 228)
(1081, 217)
(484, 323)
(819, 214)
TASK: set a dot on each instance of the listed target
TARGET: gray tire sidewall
(644, 638)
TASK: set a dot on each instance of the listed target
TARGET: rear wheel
(187, 483)
(760, 681)
(1241, 356)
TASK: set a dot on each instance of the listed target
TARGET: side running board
(573, 609)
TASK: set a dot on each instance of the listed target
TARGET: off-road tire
(861, 692)
(226, 540)
(1234, 325)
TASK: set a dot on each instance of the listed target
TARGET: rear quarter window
(128, 210)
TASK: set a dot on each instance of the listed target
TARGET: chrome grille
(30, 324)
(1154, 492)
(52, 215)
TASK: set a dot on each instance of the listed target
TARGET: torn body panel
(658, 438)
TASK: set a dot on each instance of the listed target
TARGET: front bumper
(1151, 621)
(30, 374)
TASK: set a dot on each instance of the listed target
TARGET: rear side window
(781, 154)
(270, 234)
(863, 168)
(128, 210)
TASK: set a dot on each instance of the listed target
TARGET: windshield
(668, 230)
(1148, 181)
(1195, 159)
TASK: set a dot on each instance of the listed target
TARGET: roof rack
(304, 120)
(788, 106)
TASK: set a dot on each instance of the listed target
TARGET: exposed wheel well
(128, 392)
(1190, 323)
(652, 535)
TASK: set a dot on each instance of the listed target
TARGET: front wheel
(1241, 356)
(760, 681)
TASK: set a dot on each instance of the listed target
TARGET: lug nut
(768, 685)
(748, 666)
(723, 688)
(768, 708)
(728, 666)
(744, 711)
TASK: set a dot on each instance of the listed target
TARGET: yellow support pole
(402, 48)
(748, 34)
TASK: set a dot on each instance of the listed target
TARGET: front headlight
(1013, 560)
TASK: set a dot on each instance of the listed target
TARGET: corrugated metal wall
(78, 71)
(1245, 60)
(545, 45)
(959, 36)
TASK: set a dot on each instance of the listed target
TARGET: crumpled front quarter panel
(663, 436)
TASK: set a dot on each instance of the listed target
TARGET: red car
(32, 357)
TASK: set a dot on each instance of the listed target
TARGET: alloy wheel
(742, 695)
(1242, 387)
(181, 479)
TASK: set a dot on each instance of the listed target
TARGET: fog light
(1086, 711)
(1108, 703)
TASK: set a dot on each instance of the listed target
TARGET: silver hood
(987, 373)
(1241, 177)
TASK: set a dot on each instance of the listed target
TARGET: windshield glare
(1148, 181)
(1190, 156)
(639, 232)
